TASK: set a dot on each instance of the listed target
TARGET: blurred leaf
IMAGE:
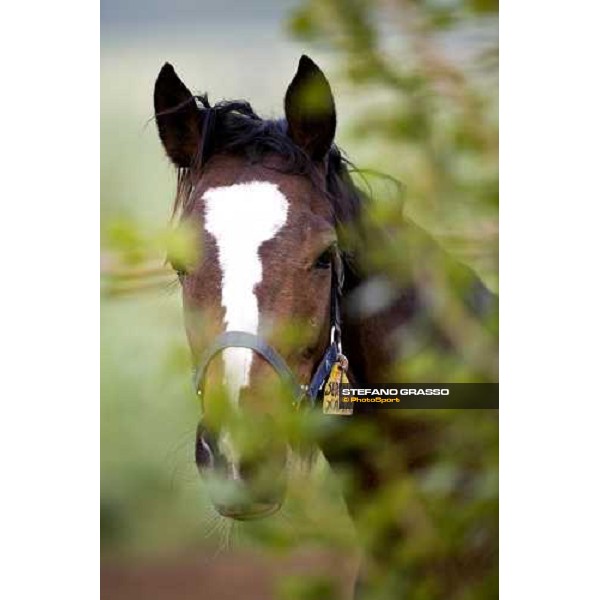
(307, 588)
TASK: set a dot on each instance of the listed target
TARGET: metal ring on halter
(342, 361)
(336, 337)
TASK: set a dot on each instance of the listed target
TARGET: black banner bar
(420, 395)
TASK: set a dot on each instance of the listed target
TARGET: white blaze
(241, 218)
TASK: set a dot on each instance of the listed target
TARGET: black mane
(232, 127)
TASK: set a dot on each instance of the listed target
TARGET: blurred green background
(416, 92)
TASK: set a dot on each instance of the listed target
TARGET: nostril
(204, 455)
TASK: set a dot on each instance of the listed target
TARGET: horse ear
(310, 110)
(178, 118)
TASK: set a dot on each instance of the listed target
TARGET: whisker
(181, 466)
(213, 526)
(222, 534)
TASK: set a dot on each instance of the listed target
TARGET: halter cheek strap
(329, 359)
(243, 339)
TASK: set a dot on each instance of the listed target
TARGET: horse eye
(324, 260)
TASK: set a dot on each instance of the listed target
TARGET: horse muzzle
(242, 489)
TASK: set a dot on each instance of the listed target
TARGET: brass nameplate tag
(333, 401)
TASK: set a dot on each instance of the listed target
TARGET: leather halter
(243, 339)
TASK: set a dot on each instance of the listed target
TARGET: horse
(281, 228)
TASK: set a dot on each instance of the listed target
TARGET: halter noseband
(243, 339)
